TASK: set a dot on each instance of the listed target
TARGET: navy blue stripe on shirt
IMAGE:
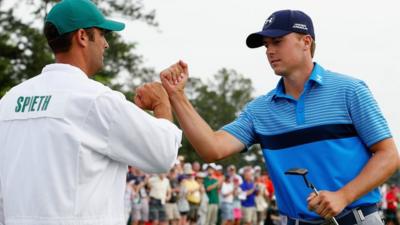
(307, 135)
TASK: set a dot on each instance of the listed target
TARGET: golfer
(66, 140)
(316, 119)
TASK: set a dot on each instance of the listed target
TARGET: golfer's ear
(307, 42)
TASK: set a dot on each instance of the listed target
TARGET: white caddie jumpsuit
(65, 144)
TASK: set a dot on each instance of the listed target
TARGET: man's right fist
(151, 95)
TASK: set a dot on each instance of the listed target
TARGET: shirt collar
(67, 68)
(279, 90)
(316, 76)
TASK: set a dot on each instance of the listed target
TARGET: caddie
(67, 140)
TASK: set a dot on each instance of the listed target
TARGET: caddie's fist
(151, 95)
(175, 77)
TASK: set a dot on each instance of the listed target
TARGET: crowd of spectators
(209, 194)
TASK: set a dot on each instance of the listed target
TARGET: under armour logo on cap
(268, 21)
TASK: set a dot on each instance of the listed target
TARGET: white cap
(213, 165)
(187, 168)
(218, 167)
(201, 174)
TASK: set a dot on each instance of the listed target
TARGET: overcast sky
(359, 38)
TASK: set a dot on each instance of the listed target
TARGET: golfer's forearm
(379, 168)
(197, 131)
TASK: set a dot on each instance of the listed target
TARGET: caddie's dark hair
(58, 43)
(61, 43)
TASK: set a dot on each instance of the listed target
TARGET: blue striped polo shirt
(328, 131)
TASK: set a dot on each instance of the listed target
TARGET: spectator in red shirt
(392, 202)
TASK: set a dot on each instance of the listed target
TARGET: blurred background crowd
(210, 194)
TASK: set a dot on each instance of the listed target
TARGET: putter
(303, 172)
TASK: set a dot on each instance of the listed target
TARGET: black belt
(348, 219)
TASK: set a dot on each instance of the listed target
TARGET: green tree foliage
(24, 50)
(219, 102)
(395, 179)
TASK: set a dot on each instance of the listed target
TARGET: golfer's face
(285, 54)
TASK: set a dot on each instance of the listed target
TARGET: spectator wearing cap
(228, 194)
(193, 196)
(237, 207)
(171, 206)
(219, 173)
(139, 197)
(203, 207)
(204, 166)
(178, 166)
(180, 161)
(232, 173)
(248, 203)
(160, 191)
(183, 204)
(211, 186)
(312, 119)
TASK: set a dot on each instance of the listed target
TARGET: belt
(348, 219)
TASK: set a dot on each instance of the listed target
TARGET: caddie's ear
(81, 37)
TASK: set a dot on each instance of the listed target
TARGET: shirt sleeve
(131, 135)
(242, 128)
(367, 118)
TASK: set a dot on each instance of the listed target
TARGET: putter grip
(333, 220)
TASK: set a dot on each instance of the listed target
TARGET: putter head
(297, 171)
(300, 172)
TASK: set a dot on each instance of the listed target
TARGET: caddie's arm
(210, 145)
(152, 96)
(132, 136)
